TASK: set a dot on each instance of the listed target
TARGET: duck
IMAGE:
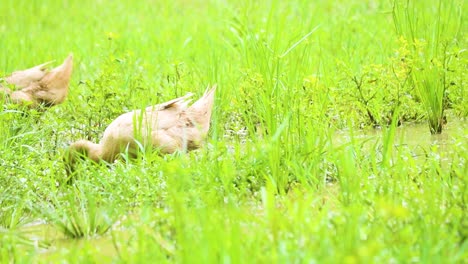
(39, 86)
(168, 127)
(22, 79)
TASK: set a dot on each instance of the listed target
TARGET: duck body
(38, 86)
(167, 127)
(24, 78)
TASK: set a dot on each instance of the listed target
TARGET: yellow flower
(111, 35)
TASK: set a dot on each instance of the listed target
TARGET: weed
(308, 157)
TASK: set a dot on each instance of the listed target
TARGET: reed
(432, 30)
(79, 213)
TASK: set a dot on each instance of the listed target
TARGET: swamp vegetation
(319, 149)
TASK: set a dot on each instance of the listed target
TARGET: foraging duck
(22, 79)
(168, 127)
(39, 86)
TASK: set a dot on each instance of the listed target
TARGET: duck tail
(202, 108)
(59, 77)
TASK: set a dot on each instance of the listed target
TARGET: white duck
(40, 86)
(168, 127)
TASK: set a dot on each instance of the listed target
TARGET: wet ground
(415, 137)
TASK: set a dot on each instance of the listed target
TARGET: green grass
(285, 176)
(433, 33)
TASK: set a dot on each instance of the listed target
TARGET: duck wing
(24, 78)
(185, 129)
(54, 85)
(177, 104)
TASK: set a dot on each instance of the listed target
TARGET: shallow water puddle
(415, 137)
(53, 244)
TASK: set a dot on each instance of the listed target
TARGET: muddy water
(51, 243)
(416, 137)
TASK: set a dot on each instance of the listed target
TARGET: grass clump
(432, 33)
(312, 154)
(80, 212)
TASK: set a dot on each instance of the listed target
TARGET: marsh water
(415, 137)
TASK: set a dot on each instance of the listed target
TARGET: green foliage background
(273, 183)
